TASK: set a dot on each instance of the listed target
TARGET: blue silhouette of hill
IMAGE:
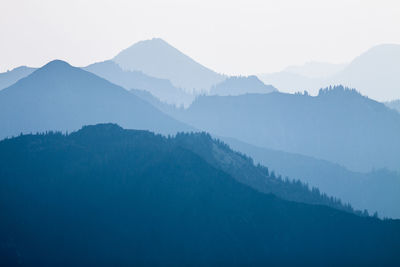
(338, 125)
(160, 88)
(108, 195)
(61, 97)
(159, 59)
(10, 77)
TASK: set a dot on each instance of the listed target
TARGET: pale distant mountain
(12, 76)
(160, 88)
(315, 69)
(375, 73)
(61, 97)
(339, 125)
(159, 59)
(238, 85)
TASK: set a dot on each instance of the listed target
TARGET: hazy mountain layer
(103, 195)
(339, 125)
(61, 97)
(375, 73)
(160, 88)
(375, 191)
(10, 77)
(159, 59)
(238, 85)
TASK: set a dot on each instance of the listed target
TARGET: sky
(228, 36)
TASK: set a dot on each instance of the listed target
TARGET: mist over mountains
(294, 180)
(375, 73)
(157, 58)
(160, 88)
(315, 69)
(338, 125)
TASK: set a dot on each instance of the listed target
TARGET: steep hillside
(104, 195)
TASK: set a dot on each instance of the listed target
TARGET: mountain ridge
(61, 97)
(144, 193)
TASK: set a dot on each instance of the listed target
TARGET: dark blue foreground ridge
(105, 195)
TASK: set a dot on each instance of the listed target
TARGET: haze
(231, 37)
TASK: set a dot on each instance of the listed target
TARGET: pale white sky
(228, 36)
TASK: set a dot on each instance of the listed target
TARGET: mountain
(10, 77)
(395, 104)
(238, 85)
(61, 97)
(338, 125)
(160, 88)
(159, 59)
(375, 73)
(104, 195)
(376, 191)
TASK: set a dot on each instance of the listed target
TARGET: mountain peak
(57, 63)
(157, 58)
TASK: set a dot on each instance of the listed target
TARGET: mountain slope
(160, 88)
(61, 97)
(239, 85)
(375, 73)
(339, 125)
(103, 195)
(10, 77)
(157, 58)
(374, 191)
(378, 190)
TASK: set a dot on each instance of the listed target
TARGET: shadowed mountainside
(159, 202)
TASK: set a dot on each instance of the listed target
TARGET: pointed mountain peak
(154, 43)
(157, 58)
(54, 67)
